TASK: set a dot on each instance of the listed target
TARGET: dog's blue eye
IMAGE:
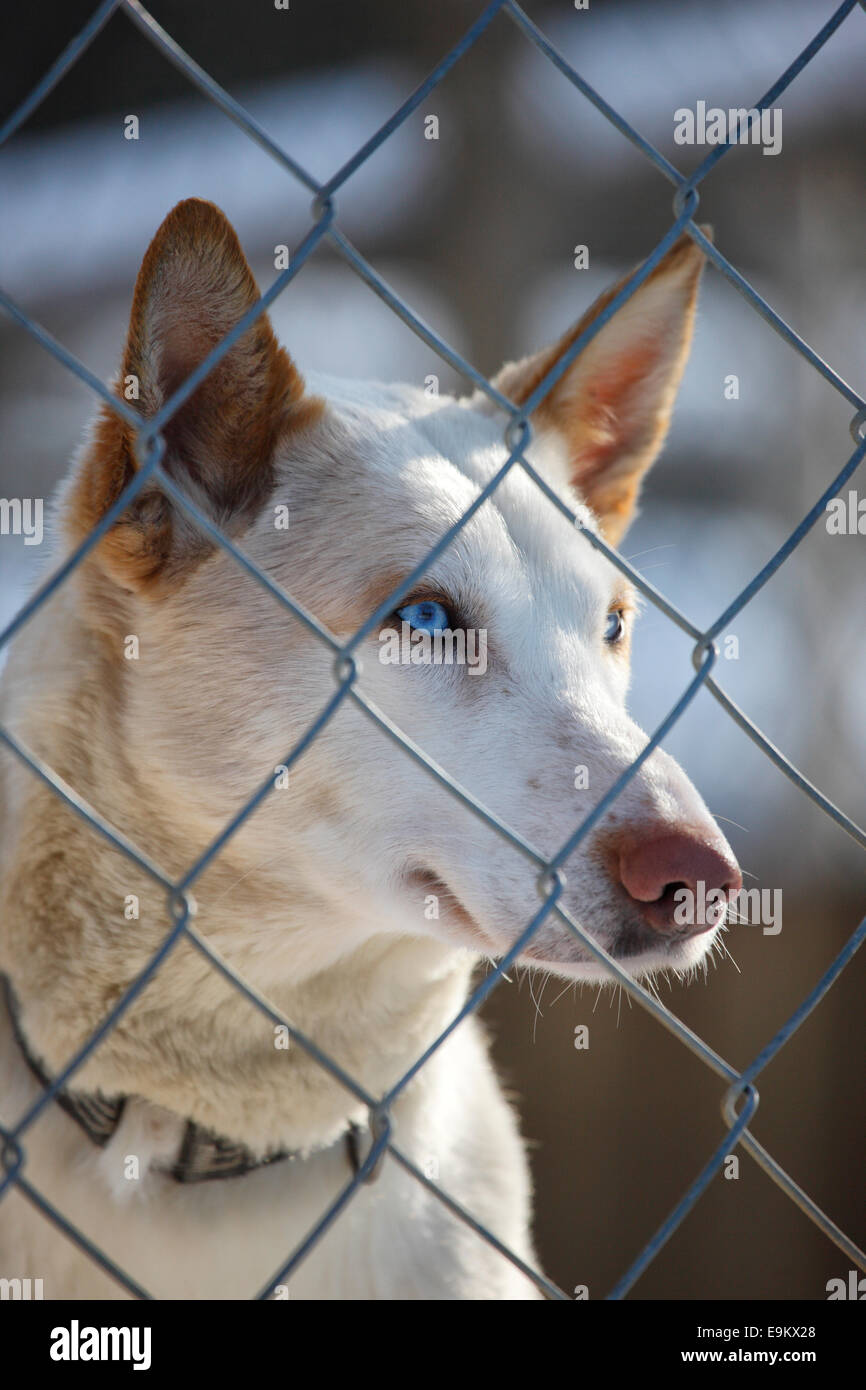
(615, 627)
(427, 616)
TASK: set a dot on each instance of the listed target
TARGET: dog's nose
(655, 868)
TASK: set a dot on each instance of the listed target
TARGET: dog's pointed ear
(613, 404)
(193, 287)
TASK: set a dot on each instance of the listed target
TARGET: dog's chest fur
(227, 1239)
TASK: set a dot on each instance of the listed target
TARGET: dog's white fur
(319, 899)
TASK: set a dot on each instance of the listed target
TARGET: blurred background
(477, 231)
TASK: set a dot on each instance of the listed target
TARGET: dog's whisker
(651, 985)
(537, 1003)
(653, 549)
(724, 950)
(563, 991)
(272, 859)
(728, 821)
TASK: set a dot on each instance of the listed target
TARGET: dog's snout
(681, 880)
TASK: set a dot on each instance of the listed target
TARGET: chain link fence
(740, 1096)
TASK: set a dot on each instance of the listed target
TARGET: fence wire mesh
(740, 1096)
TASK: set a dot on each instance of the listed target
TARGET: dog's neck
(232, 1069)
(191, 1043)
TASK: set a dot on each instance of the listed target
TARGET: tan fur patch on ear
(132, 552)
(193, 286)
(613, 404)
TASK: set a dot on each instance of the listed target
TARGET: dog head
(337, 491)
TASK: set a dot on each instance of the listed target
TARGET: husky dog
(162, 682)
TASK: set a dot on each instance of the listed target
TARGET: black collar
(203, 1154)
